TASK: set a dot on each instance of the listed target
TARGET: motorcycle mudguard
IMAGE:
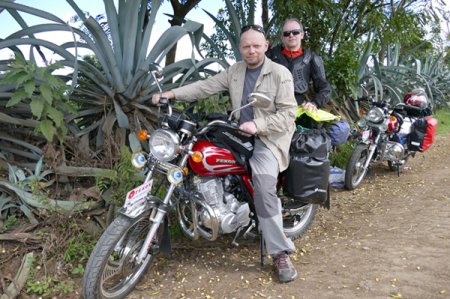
(166, 244)
(139, 207)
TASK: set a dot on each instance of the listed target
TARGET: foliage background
(389, 47)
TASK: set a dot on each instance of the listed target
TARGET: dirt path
(388, 239)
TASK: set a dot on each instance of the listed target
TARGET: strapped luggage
(338, 131)
(430, 133)
(309, 168)
(422, 135)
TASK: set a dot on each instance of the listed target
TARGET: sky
(64, 11)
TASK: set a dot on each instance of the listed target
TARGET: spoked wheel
(112, 270)
(355, 172)
(297, 220)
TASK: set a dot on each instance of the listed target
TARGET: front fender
(141, 206)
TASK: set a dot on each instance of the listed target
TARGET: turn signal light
(392, 118)
(142, 135)
(197, 157)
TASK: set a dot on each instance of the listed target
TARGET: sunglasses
(254, 27)
(294, 32)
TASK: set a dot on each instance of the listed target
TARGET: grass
(340, 156)
(443, 116)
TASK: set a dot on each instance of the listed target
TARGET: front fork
(159, 212)
(372, 148)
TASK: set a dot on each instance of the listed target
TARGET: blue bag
(338, 131)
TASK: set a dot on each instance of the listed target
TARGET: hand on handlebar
(249, 126)
(158, 96)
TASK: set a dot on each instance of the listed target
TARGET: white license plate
(139, 192)
(366, 135)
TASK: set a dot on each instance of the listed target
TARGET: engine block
(229, 213)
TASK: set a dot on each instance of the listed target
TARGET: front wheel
(355, 172)
(112, 271)
(297, 221)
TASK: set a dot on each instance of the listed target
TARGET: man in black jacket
(304, 65)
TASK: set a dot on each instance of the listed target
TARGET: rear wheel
(355, 172)
(297, 220)
(112, 270)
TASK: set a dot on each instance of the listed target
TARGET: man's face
(253, 46)
(294, 37)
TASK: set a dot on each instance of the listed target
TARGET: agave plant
(395, 77)
(118, 88)
(230, 28)
(111, 91)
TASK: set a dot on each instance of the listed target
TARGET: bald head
(253, 46)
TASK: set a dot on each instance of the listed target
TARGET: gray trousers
(265, 172)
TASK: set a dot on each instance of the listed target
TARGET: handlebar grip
(163, 101)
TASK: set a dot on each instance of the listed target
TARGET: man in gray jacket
(273, 127)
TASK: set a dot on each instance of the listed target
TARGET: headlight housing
(164, 145)
(375, 115)
(139, 160)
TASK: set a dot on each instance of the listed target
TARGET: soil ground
(390, 238)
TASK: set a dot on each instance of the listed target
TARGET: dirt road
(388, 239)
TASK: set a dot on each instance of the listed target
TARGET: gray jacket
(275, 124)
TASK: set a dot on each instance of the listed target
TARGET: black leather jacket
(305, 68)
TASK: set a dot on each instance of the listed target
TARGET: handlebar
(222, 123)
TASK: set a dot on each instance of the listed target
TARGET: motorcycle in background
(191, 172)
(390, 133)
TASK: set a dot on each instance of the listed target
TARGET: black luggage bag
(309, 169)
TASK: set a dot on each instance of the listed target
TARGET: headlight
(375, 115)
(138, 160)
(164, 145)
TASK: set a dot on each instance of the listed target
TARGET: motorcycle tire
(111, 271)
(297, 221)
(355, 172)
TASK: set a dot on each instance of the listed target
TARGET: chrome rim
(121, 269)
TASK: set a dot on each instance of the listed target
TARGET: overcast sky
(64, 11)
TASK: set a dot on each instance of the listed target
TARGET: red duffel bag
(429, 134)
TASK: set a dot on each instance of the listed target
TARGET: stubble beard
(254, 63)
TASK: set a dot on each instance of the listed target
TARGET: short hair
(293, 20)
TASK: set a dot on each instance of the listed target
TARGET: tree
(341, 30)
(180, 10)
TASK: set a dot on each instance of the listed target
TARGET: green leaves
(18, 96)
(37, 106)
(43, 92)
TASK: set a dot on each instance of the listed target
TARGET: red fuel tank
(216, 161)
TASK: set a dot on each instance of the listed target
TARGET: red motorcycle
(391, 133)
(197, 172)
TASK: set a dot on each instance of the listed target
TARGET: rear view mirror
(256, 100)
(259, 100)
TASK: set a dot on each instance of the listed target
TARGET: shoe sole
(291, 279)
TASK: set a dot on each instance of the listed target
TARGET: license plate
(366, 135)
(139, 192)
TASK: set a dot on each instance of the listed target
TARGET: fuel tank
(216, 161)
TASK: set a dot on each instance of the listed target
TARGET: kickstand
(262, 249)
